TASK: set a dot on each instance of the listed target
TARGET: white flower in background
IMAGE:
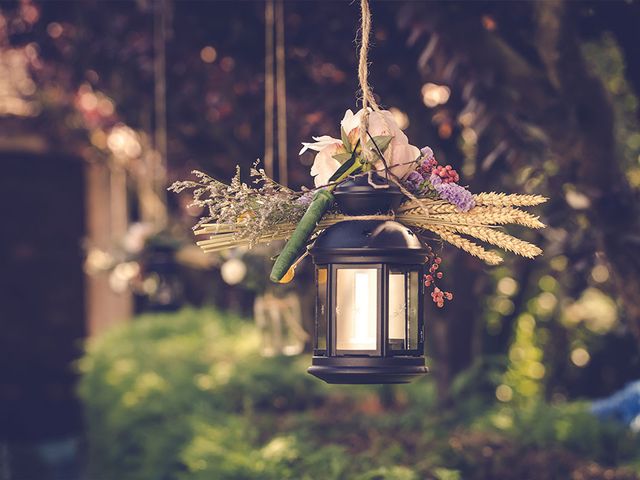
(400, 156)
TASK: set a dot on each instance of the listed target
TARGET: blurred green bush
(187, 396)
(147, 387)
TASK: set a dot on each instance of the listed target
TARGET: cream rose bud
(400, 155)
(324, 165)
(403, 159)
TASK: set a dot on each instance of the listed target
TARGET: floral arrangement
(239, 214)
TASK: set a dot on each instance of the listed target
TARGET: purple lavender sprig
(453, 193)
(429, 176)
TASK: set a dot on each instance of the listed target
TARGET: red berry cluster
(447, 174)
(427, 166)
(438, 296)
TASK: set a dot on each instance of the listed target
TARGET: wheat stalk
(468, 246)
(478, 216)
(508, 200)
(494, 216)
(499, 239)
(432, 206)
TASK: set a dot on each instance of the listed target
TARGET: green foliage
(186, 396)
(446, 474)
(224, 452)
(379, 143)
(569, 426)
(607, 61)
(526, 371)
(342, 157)
(345, 140)
(141, 380)
(389, 473)
(473, 390)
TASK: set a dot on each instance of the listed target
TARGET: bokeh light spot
(434, 95)
(600, 273)
(54, 29)
(507, 286)
(208, 54)
(504, 393)
(580, 357)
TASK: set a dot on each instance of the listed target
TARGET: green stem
(322, 201)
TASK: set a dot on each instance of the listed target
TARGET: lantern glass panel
(413, 310)
(397, 310)
(404, 298)
(356, 309)
(321, 309)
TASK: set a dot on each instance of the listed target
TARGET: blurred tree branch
(527, 90)
(587, 146)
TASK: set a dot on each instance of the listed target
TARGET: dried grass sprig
(251, 212)
(475, 218)
(222, 237)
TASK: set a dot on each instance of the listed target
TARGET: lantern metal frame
(368, 243)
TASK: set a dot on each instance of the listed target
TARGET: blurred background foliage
(532, 97)
(187, 395)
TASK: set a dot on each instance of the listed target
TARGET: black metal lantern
(370, 293)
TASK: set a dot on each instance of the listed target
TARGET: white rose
(324, 165)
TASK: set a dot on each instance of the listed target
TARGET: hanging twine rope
(363, 66)
(363, 77)
(369, 100)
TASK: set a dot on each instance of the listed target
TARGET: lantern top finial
(367, 194)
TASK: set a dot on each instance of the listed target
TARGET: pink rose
(400, 156)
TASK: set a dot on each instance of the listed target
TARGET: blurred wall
(42, 210)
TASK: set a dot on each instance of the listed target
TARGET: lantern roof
(361, 241)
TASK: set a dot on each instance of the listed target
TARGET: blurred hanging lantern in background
(161, 281)
(278, 318)
(277, 309)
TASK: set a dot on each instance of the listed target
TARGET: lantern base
(367, 370)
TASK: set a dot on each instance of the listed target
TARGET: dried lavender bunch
(250, 212)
